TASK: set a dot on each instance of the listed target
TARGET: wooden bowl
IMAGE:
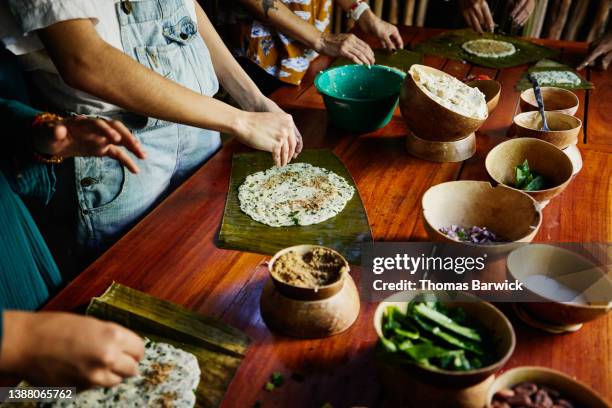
(441, 152)
(544, 158)
(298, 292)
(577, 391)
(305, 312)
(571, 269)
(491, 90)
(427, 118)
(555, 100)
(574, 155)
(439, 387)
(509, 213)
(527, 124)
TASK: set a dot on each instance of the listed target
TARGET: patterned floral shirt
(278, 54)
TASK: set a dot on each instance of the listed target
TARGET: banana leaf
(401, 59)
(448, 44)
(549, 65)
(345, 232)
(218, 347)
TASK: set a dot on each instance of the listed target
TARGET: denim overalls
(161, 35)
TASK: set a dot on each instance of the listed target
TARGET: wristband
(357, 9)
(42, 119)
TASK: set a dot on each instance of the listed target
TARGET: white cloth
(19, 20)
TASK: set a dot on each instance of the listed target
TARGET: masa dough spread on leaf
(489, 48)
(296, 194)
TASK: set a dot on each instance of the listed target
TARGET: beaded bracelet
(43, 119)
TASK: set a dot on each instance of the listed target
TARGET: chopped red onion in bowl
(474, 235)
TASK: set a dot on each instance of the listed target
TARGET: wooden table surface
(172, 253)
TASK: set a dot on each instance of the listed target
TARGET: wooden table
(172, 253)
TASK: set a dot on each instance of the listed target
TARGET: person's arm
(387, 33)
(279, 16)
(237, 82)
(477, 15)
(521, 11)
(86, 62)
(74, 136)
(53, 349)
(602, 49)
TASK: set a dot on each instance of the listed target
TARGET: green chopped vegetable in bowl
(528, 180)
(430, 336)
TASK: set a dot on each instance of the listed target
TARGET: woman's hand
(345, 45)
(602, 50)
(265, 104)
(521, 11)
(83, 136)
(54, 349)
(272, 132)
(387, 33)
(477, 15)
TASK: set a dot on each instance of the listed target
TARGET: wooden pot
(509, 213)
(526, 124)
(491, 90)
(555, 100)
(570, 269)
(544, 158)
(427, 118)
(577, 391)
(419, 386)
(308, 312)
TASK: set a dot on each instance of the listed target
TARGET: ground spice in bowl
(313, 269)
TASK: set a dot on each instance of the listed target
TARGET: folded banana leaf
(345, 232)
(548, 65)
(401, 59)
(218, 347)
(448, 44)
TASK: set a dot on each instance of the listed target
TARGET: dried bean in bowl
(531, 395)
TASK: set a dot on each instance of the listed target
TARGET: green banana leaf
(218, 347)
(345, 232)
(401, 59)
(448, 44)
(549, 65)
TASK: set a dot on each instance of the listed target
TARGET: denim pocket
(102, 182)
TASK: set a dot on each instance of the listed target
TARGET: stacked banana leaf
(218, 347)
(448, 44)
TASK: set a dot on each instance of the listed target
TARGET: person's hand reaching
(601, 54)
(64, 349)
(387, 33)
(477, 15)
(345, 45)
(84, 136)
(521, 11)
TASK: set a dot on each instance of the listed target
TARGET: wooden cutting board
(345, 232)
(218, 347)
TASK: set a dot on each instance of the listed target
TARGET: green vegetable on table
(527, 180)
(432, 336)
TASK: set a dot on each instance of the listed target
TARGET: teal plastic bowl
(359, 98)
